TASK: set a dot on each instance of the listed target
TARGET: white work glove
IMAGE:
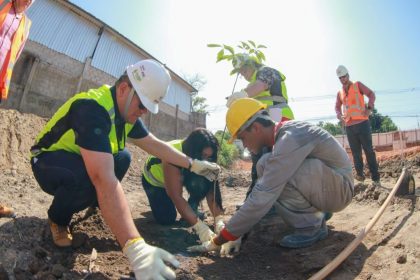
(210, 170)
(231, 247)
(235, 96)
(147, 261)
(208, 246)
(219, 224)
(203, 231)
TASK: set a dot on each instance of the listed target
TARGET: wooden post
(28, 82)
(176, 121)
(85, 67)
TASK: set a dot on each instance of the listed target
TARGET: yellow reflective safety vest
(275, 99)
(153, 169)
(50, 139)
(19, 38)
(353, 104)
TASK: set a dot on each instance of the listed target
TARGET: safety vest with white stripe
(57, 135)
(153, 169)
(19, 38)
(353, 103)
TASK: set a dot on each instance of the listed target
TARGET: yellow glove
(219, 224)
(235, 96)
(208, 246)
(210, 170)
(147, 261)
(203, 231)
(231, 247)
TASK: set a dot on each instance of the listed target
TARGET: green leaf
(220, 55)
(261, 47)
(262, 56)
(252, 43)
(229, 48)
(213, 45)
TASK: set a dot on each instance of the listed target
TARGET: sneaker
(301, 240)
(359, 178)
(61, 235)
(6, 212)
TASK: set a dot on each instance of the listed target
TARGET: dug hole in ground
(390, 251)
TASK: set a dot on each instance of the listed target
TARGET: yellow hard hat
(239, 112)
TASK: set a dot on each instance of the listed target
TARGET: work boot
(6, 212)
(359, 178)
(61, 234)
(304, 238)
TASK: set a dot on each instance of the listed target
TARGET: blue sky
(378, 41)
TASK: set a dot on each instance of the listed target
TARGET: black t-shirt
(92, 124)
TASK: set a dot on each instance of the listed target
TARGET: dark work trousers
(64, 175)
(163, 209)
(360, 136)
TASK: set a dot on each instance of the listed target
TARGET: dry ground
(390, 251)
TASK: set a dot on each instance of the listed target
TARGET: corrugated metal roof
(112, 55)
(62, 31)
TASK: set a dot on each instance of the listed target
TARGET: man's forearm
(116, 212)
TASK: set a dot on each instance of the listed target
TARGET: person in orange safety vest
(351, 109)
(14, 31)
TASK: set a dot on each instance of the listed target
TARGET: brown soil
(390, 251)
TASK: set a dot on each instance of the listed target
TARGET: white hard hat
(151, 81)
(341, 71)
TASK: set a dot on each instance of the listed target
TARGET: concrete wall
(44, 79)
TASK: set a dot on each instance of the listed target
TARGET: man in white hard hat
(307, 174)
(351, 110)
(80, 158)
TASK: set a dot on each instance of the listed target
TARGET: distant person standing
(355, 116)
(14, 30)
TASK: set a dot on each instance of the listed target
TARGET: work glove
(231, 247)
(147, 261)
(219, 224)
(203, 231)
(235, 96)
(210, 170)
(208, 246)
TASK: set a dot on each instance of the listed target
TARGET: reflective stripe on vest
(19, 38)
(58, 136)
(353, 104)
(153, 172)
(267, 98)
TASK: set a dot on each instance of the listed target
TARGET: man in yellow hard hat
(80, 158)
(307, 174)
(267, 85)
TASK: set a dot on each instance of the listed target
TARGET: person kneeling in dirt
(307, 175)
(80, 158)
(163, 182)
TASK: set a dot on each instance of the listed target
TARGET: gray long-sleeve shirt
(295, 141)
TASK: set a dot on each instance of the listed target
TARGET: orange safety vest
(19, 39)
(353, 104)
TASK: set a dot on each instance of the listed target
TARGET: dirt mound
(390, 251)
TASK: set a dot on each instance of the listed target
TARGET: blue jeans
(360, 136)
(63, 175)
(163, 209)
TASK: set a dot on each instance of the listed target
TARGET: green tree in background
(228, 152)
(198, 102)
(378, 124)
(381, 123)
